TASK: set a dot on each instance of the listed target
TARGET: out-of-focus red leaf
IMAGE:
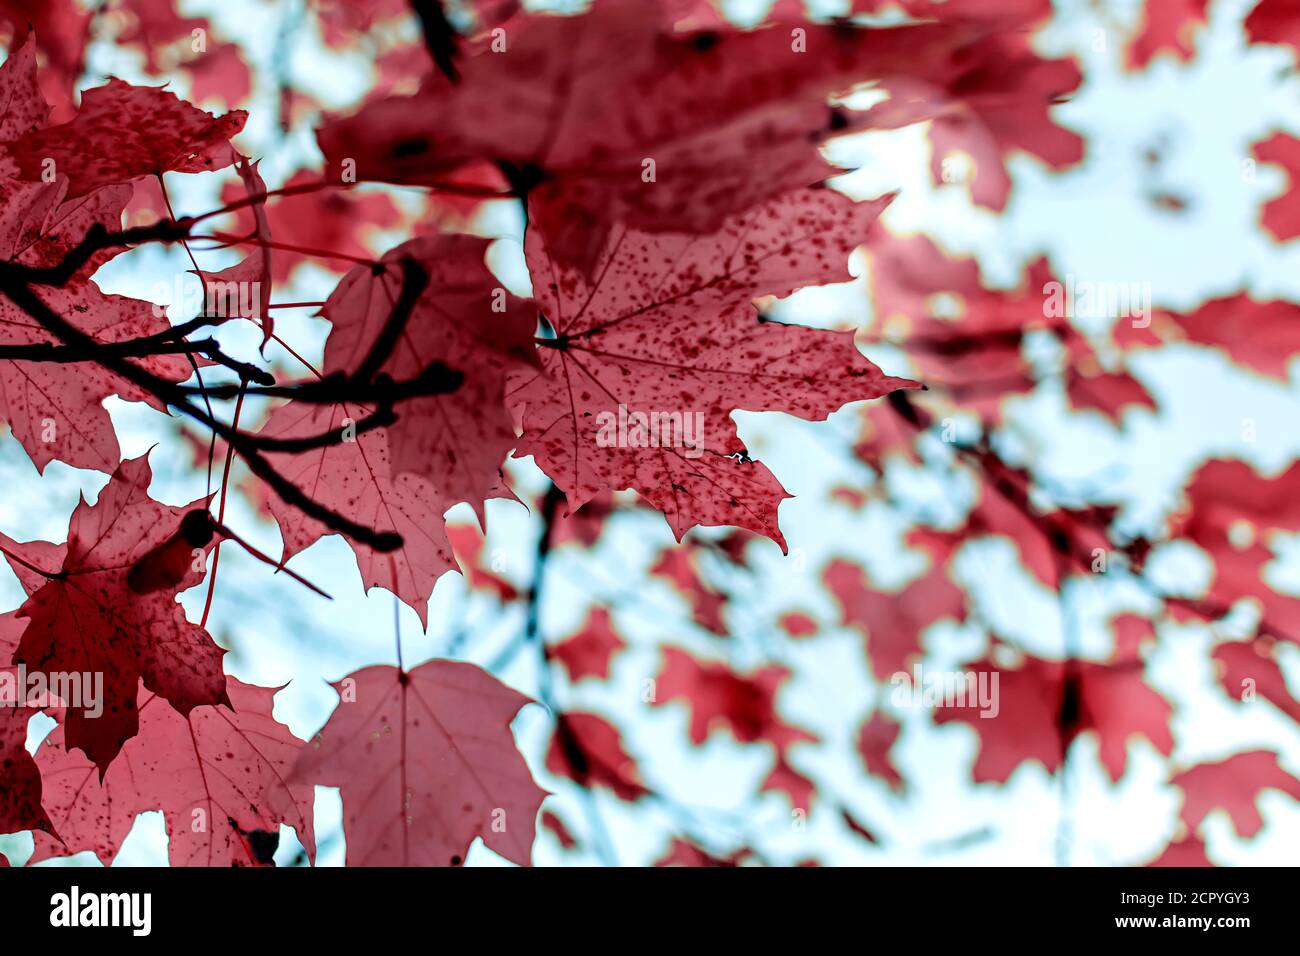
(589, 652)
(1233, 784)
(588, 749)
(1042, 706)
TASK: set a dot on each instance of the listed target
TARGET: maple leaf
(20, 798)
(584, 527)
(1044, 705)
(589, 750)
(153, 25)
(465, 324)
(84, 616)
(589, 652)
(62, 27)
(1005, 509)
(55, 409)
(730, 119)
(962, 336)
(1231, 512)
(218, 776)
(220, 74)
(425, 762)
(356, 478)
(717, 697)
(668, 327)
(797, 624)
(468, 543)
(885, 434)
(341, 21)
(1233, 784)
(893, 621)
(161, 35)
(39, 228)
(122, 133)
(987, 99)
(39, 224)
(680, 567)
(1260, 335)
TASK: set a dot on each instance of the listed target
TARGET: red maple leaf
(425, 763)
(465, 322)
(160, 34)
(558, 828)
(893, 620)
(682, 852)
(38, 227)
(122, 133)
(1107, 392)
(356, 477)
(1231, 512)
(1043, 706)
(731, 118)
(988, 99)
(589, 652)
(680, 566)
(797, 624)
(1233, 784)
(589, 750)
(25, 108)
(218, 775)
(716, 697)
(1189, 851)
(1260, 335)
(56, 409)
(469, 544)
(105, 604)
(668, 327)
(964, 337)
(61, 28)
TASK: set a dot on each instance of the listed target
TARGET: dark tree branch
(15, 284)
(440, 37)
(414, 280)
(337, 388)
